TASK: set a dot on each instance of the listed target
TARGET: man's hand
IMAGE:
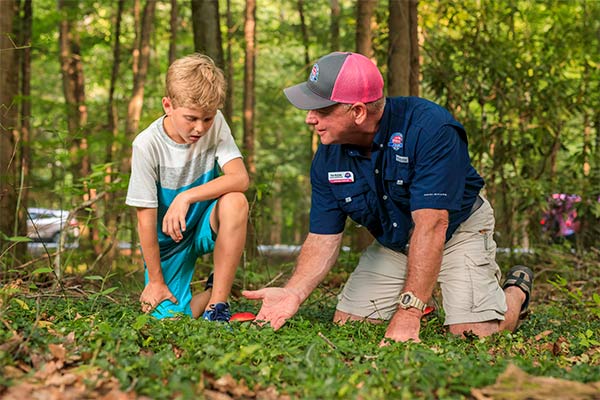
(279, 304)
(404, 326)
(153, 294)
(174, 220)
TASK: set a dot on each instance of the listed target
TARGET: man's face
(333, 124)
(186, 125)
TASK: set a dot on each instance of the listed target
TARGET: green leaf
(108, 291)
(140, 321)
(43, 270)
(18, 239)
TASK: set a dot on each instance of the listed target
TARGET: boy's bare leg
(199, 303)
(229, 219)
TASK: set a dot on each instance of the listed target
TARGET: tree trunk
(173, 26)
(415, 63)
(229, 67)
(360, 237)
(207, 29)
(112, 219)
(399, 49)
(134, 109)
(73, 88)
(335, 25)
(248, 108)
(304, 30)
(74, 92)
(8, 124)
(364, 17)
(403, 61)
(24, 140)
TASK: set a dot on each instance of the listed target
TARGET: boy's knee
(234, 202)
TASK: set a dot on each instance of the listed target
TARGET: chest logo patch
(340, 177)
(396, 141)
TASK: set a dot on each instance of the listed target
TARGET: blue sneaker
(217, 312)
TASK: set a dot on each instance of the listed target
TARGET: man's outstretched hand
(279, 304)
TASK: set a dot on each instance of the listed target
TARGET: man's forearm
(425, 253)
(318, 255)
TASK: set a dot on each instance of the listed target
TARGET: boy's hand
(279, 304)
(153, 294)
(174, 220)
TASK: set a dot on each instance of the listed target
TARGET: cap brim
(305, 99)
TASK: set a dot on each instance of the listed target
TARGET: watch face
(406, 299)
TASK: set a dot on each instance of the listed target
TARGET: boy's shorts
(178, 269)
(469, 277)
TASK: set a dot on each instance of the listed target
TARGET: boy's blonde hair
(196, 81)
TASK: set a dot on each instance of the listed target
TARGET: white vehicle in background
(45, 225)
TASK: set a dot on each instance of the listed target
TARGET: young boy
(185, 207)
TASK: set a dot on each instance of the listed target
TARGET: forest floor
(87, 339)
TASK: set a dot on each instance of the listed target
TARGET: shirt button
(381, 145)
(385, 197)
(395, 225)
(376, 171)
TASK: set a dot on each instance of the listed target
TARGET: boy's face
(186, 125)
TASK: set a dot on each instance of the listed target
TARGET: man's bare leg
(515, 298)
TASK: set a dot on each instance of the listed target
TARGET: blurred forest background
(79, 79)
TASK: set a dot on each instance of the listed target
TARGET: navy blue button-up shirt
(419, 159)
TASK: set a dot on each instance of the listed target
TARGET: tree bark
(399, 49)
(8, 123)
(304, 30)
(403, 58)
(360, 237)
(73, 88)
(335, 25)
(207, 29)
(364, 17)
(112, 219)
(173, 27)
(248, 109)
(415, 62)
(24, 131)
(229, 67)
(134, 109)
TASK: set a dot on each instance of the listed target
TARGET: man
(401, 168)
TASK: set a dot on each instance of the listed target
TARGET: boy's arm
(234, 179)
(156, 290)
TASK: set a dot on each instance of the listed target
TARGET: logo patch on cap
(396, 141)
(314, 73)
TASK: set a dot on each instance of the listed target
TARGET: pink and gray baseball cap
(338, 78)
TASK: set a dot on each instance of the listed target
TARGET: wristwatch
(408, 300)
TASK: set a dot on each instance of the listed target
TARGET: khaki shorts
(469, 277)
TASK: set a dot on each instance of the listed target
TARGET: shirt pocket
(397, 182)
(352, 198)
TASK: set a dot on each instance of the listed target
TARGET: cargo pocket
(484, 278)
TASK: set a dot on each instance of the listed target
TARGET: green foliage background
(521, 76)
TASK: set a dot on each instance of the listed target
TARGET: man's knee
(341, 318)
(480, 329)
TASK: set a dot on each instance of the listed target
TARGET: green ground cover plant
(85, 344)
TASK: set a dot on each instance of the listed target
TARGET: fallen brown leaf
(515, 384)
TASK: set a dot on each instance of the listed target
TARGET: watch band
(408, 300)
